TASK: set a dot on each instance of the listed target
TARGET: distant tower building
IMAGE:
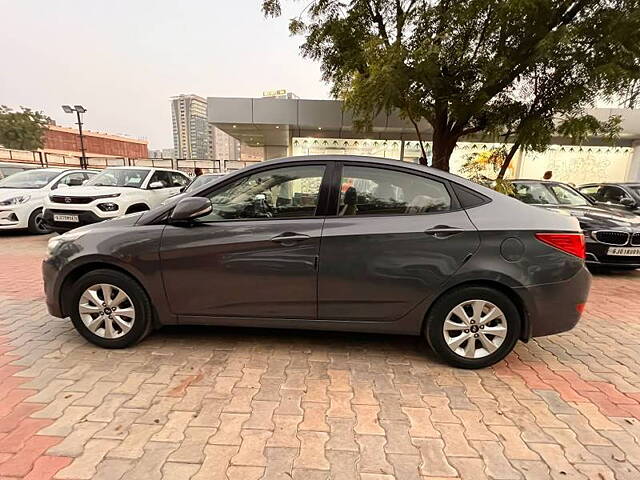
(191, 137)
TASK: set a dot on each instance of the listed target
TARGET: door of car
(161, 186)
(256, 254)
(395, 237)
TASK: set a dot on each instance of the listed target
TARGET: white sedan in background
(22, 195)
(114, 192)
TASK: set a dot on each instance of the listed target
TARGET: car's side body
(361, 273)
(91, 204)
(17, 215)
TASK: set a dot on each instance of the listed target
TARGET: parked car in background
(621, 196)
(7, 168)
(203, 179)
(612, 236)
(114, 192)
(22, 195)
(335, 243)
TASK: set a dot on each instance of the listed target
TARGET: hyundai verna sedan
(612, 235)
(346, 243)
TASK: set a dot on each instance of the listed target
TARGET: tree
(524, 70)
(22, 130)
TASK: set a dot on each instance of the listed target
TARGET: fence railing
(45, 159)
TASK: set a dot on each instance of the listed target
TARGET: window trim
(455, 204)
(322, 194)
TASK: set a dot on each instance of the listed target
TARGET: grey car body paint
(391, 290)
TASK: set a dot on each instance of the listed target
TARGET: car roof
(141, 167)
(623, 184)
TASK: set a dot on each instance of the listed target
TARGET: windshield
(635, 188)
(29, 179)
(119, 177)
(548, 194)
(568, 196)
(200, 181)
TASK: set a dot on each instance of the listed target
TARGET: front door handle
(289, 238)
(443, 231)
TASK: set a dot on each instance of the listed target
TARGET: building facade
(66, 141)
(191, 133)
(279, 127)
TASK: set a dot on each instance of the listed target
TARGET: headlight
(15, 200)
(108, 206)
(55, 242)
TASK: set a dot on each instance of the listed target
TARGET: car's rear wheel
(36, 223)
(110, 309)
(473, 327)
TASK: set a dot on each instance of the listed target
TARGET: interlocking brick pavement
(221, 403)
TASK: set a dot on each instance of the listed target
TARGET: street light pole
(79, 109)
(83, 159)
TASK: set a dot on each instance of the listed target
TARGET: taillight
(571, 243)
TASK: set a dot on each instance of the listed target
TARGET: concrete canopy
(271, 122)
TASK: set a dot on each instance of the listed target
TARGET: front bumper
(13, 218)
(49, 275)
(553, 307)
(597, 255)
(85, 217)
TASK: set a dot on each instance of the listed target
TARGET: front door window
(290, 192)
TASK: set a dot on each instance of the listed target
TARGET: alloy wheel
(475, 329)
(106, 311)
(39, 223)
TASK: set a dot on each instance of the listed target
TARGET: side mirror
(628, 202)
(156, 185)
(191, 208)
(62, 185)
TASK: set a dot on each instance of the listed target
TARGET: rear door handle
(289, 238)
(443, 231)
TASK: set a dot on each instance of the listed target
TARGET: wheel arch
(137, 207)
(501, 287)
(82, 269)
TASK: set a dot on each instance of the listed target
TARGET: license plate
(624, 251)
(66, 218)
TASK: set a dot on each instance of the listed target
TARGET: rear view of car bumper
(556, 307)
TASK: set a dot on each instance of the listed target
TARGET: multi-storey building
(191, 138)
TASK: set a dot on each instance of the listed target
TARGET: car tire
(36, 223)
(105, 326)
(481, 348)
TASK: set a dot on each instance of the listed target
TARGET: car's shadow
(265, 339)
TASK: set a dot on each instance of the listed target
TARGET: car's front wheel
(36, 223)
(110, 309)
(473, 327)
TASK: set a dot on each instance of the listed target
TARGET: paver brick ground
(223, 403)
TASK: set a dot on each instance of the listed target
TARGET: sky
(122, 60)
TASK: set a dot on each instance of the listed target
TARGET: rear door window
(380, 191)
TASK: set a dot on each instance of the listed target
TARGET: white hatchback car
(22, 195)
(114, 192)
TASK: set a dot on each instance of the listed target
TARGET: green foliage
(22, 130)
(484, 168)
(515, 71)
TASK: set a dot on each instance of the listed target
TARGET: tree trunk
(507, 160)
(444, 142)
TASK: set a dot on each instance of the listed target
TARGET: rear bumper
(553, 308)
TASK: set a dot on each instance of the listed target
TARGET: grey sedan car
(334, 243)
